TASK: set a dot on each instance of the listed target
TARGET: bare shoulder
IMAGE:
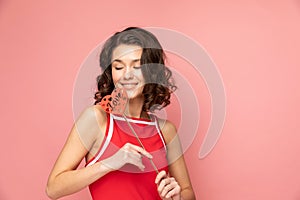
(168, 129)
(91, 112)
(91, 123)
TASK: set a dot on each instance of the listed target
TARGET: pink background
(255, 45)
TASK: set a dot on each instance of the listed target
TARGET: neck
(134, 108)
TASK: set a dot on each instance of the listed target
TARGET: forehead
(127, 52)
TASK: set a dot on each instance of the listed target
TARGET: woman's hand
(128, 154)
(167, 187)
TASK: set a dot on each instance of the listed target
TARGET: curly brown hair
(159, 83)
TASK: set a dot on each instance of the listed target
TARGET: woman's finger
(135, 159)
(160, 176)
(167, 188)
(138, 149)
(163, 183)
(175, 191)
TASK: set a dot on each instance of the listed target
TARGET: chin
(132, 95)
(135, 93)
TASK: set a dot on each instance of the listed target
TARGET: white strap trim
(107, 141)
(133, 120)
(160, 133)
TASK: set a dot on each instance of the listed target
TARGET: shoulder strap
(106, 142)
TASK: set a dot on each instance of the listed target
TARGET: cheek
(116, 76)
(140, 75)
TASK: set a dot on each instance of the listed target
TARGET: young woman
(120, 165)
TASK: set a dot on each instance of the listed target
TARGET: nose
(128, 73)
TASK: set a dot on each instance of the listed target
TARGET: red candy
(115, 103)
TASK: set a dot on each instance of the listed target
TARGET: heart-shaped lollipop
(116, 102)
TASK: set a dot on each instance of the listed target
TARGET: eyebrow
(120, 61)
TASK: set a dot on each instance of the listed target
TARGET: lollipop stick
(132, 130)
(116, 103)
(140, 142)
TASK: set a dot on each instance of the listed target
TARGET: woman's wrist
(104, 167)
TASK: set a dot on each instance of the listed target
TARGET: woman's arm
(64, 178)
(177, 167)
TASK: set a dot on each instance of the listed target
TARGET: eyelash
(120, 68)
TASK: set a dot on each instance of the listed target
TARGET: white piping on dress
(160, 133)
(107, 141)
(133, 120)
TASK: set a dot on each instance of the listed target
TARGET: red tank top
(130, 182)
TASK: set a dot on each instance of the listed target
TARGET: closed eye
(137, 67)
(118, 68)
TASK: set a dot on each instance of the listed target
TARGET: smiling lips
(129, 86)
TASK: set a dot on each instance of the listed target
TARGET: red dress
(130, 182)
